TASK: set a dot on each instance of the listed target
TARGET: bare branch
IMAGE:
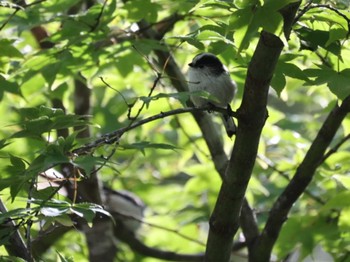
(114, 137)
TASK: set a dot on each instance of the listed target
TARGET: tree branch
(251, 119)
(16, 246)
(335, 148)
(310, 6)
(210, 133)
(113, 137)
(128, 237)
(283, 174)
(300, 181)
(248, 224)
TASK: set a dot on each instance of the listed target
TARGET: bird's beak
(190, 64)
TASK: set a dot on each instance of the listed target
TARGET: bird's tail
(229, 124)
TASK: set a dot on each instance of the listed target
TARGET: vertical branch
(224, 221)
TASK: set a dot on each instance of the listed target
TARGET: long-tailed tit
(125, 207)
(207, 73)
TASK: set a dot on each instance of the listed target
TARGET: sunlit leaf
(343, 180)
(142, 9)
(8, 86)
(338, 82)
(312, 39)
(7, 49)
(340, 200)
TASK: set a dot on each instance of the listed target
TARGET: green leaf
(283, 70)
(50, 72)
(335, 34)
(328, 16)
(44, 119)
(5, 235)
(14, 180)
(14, 213)
(64, 259)
(71, 29)
(344, 180)
(17, 168)
(34, 128)
(58, 6)
(17, 162)
(32, 113)
(65, 121)
(242, 4)
(15, 188)
(52, 156)
(269, 18)
(278, 82)
(145, 46)
(312, 39)
(191, 40)
(146, 145)
(3, 143)
(88, 211)
(183, 97)
(339, 201)
(214, 28)
(87, 163)
(142, 9)
(338, 82)
(59, 91)
(8, 86)
(51, 203)
(293, 71)
(246, 22)
(11, 258)
(64, 220)
(7, 49)
(35, 63)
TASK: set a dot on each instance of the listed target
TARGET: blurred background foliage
(166, 162)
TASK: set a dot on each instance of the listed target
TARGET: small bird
(207, 73)
(125, 207)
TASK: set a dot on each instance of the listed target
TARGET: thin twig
(113, 137)
(310, 6)
(98, 18)
(283, 174)
(155, 82)
(120, 93)
(17, 8)
(175, 231)
(16, 246)
(335, 148)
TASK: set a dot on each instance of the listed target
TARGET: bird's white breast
(221, 86)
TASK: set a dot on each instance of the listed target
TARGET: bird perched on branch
(207, 73)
